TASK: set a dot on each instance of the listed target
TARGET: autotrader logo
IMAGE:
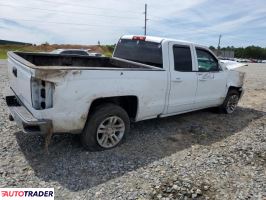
(27, 193)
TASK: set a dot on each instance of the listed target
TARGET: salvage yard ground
(203, 155)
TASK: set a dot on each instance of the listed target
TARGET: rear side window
(206, 61)
(182, 58)
(149, 53)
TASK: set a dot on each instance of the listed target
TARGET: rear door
(183, 78)
(211, 79)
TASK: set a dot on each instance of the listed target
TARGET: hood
(229, 64)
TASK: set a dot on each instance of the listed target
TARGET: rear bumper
(25, 119)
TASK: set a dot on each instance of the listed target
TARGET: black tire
(90, 136)
(224, 108)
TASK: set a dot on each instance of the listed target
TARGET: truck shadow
(76, 169)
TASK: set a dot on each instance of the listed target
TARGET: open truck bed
(45, 84)
(56, 61)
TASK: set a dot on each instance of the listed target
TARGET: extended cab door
(211, 79)
(183, 78)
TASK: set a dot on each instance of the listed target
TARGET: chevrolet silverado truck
(97, 97)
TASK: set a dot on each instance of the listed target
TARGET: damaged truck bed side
(97, 97)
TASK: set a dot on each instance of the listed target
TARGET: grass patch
(5, 48)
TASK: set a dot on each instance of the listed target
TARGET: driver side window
(206, 61)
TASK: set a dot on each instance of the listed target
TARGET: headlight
(41, 94)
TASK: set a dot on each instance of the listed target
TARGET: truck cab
(196, 78)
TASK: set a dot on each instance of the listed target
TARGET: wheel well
(238, 89)
(128, 103)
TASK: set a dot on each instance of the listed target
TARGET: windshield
(149, 53)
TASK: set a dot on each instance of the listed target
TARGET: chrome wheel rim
(232, 103)
(110, 132)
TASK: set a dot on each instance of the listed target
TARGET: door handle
(203, 79)
(177, 80)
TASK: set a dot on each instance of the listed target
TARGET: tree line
(254, 52)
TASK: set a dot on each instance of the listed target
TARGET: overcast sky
(241, 22)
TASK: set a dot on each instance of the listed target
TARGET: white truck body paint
(160, 92)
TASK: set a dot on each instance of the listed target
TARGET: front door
(211, 80)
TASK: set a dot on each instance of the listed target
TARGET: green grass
(5, 48)
(2, 55)
(105, 50)
(108, 53)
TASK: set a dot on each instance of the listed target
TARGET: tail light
(41, 94)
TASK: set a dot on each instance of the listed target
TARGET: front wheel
(230, 102)
(106, 128)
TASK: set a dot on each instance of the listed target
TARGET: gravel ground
(199, 155)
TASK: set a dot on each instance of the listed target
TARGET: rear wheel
(106, 128)
(230, 103)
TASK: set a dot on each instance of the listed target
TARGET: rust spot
(45, 74)
(83, 117)
(76, 72)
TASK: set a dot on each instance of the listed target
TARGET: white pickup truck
(97, 97)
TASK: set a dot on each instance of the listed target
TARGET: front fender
(235, 79)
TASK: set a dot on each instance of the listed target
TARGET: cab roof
(157, 39)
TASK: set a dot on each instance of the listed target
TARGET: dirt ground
(199, 155)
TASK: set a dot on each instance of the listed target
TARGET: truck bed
(48, 85)
(57, 61)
